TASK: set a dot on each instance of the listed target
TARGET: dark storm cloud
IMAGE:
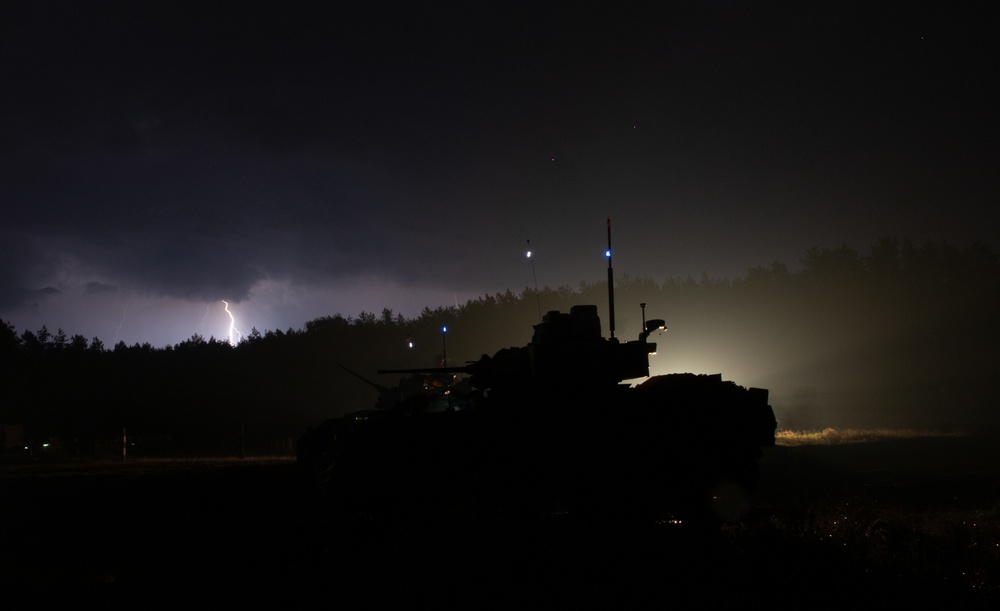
(25, 269)
(192, 150)
(202, 155)
(95, 288)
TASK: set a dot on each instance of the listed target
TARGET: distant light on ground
(832, 436)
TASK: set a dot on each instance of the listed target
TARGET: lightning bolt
(234, 334)
(122, 321)
(204, 319)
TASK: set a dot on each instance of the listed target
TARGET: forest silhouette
(904, 335)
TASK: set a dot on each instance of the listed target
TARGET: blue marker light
(444, 329)
(607, 253)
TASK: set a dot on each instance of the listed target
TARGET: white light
(234, 334)
(529, 254)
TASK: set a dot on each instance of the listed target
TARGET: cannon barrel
(375, 385)
(429, 370)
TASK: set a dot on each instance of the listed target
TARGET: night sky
(157, 158)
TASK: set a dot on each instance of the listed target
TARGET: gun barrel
(427, 370)
(374, 385)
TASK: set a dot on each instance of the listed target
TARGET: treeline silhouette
(905, 335)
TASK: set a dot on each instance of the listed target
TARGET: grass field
(861, 518)
(914, 506)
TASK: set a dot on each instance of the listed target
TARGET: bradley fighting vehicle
(552, 427)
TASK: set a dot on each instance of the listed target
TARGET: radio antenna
(611, 284)
(538, 299)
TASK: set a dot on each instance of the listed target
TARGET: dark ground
(908, 522)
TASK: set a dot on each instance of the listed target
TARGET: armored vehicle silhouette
(552, 427)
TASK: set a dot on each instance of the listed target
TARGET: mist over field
(899, 337)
